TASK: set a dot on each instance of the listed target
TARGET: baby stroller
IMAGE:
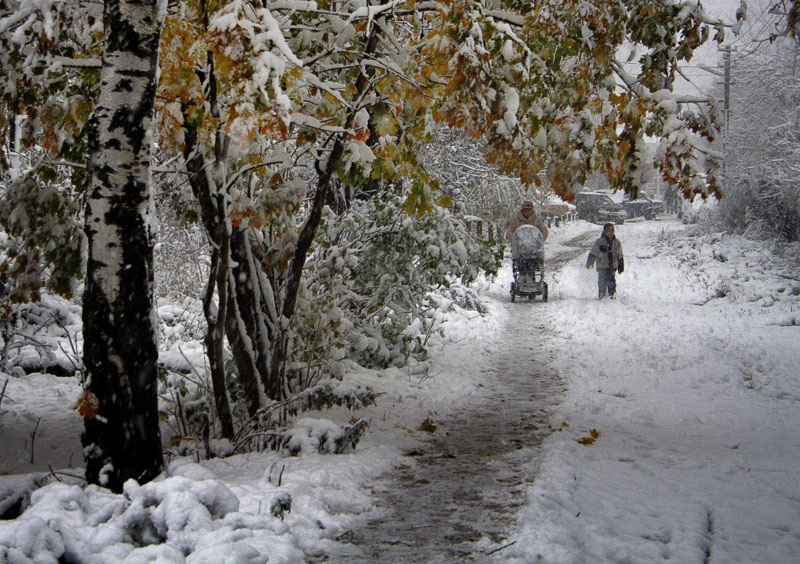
(527, 260)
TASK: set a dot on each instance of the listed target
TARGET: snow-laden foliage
(42, 242)
(762, 163)
(370, 280)
(50, 60)
(475, 187)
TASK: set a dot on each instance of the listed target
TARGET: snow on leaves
(523, 76)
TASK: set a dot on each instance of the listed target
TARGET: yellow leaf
(428, 425)
(444, 201)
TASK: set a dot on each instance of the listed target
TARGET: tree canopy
(268, 87)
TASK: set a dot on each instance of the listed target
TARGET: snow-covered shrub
(310, 435)
(180, 321)
(368, 296)
(184, 401)
(42, 237)
(762, 210)
(41, 337)
(176, 519)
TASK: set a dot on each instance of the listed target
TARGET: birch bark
(120, 339)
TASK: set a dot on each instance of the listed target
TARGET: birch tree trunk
(120, 341)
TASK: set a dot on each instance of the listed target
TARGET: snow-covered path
(455, 498)
(690, 381)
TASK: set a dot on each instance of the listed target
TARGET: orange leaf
(87, 405)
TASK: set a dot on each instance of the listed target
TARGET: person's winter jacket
(606, 253)
(519, 219)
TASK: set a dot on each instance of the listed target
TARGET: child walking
(607, 254)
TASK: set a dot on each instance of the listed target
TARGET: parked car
(598, 207)
(643, 206)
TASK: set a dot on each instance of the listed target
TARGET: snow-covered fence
(557, 214)
(483, 228)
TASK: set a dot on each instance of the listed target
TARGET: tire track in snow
(455, 498)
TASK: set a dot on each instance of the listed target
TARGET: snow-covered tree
(120, 353)
(283, 108)
(458, 162)
(278, 109)
(762, 144)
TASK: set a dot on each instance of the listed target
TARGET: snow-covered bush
(762, 209)
(40, 226)
(41, 337)
(368, 297)
(310, 435)
(176, 519)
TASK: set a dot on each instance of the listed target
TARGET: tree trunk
(249, 319)
(119, 320)
(251, 331)
(239, 322)
(215, 333)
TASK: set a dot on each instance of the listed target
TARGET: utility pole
(726, 106)
(726, 57)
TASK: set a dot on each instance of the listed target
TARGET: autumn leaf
(591, 438)
(87, 405)
(444, 201)
(647, 10)
(359, 135)
(428, 425)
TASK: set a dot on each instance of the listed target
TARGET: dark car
(643, 206)
(598, 207)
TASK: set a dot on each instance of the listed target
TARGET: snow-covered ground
(690, 379)
(688, 384)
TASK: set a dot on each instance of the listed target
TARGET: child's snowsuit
(607, 254)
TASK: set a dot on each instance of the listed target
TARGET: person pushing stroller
(526, 216)
(526, 233)
(607, 254)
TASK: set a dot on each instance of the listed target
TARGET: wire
(752, 37)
